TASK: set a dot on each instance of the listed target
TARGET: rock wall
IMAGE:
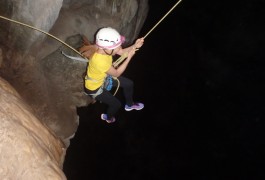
(32, 62)
(39, 117)
(28, 149)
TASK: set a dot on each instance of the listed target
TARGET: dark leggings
(111, 101)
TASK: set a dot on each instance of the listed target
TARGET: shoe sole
(102, 117)
(133, 109)
(108, 121)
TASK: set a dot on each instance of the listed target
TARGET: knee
(129, 83)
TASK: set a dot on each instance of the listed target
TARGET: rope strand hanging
(67, 45)
(161, 19)
(124, 56)
(118, 61)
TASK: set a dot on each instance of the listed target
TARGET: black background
(201, 77)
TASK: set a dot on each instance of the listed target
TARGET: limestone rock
(28, 149)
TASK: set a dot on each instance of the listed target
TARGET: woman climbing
(101, 71)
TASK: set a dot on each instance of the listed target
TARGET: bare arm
(130, 51)
(117, 72)
(138, 43)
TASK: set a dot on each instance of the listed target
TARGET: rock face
(28, 149)
(48, 83)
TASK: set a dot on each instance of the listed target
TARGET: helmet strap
(107, 52)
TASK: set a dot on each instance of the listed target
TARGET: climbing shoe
(104, 117)
(136, 106)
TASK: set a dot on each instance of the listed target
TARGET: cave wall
(28, 149)
(41, 88)
(31, 60)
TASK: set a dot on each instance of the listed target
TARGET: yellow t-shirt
(99, 64)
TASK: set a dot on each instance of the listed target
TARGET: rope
(117, 86)
(17, 22)
(124, 56)
(67, 45)
(162, 19)
(117, 62)
(75, 58)
(120, 59)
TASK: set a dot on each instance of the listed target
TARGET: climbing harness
(75, 58)
(108, 84)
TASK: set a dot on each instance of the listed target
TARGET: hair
(87, 49)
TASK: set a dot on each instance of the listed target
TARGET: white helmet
(109, 38)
